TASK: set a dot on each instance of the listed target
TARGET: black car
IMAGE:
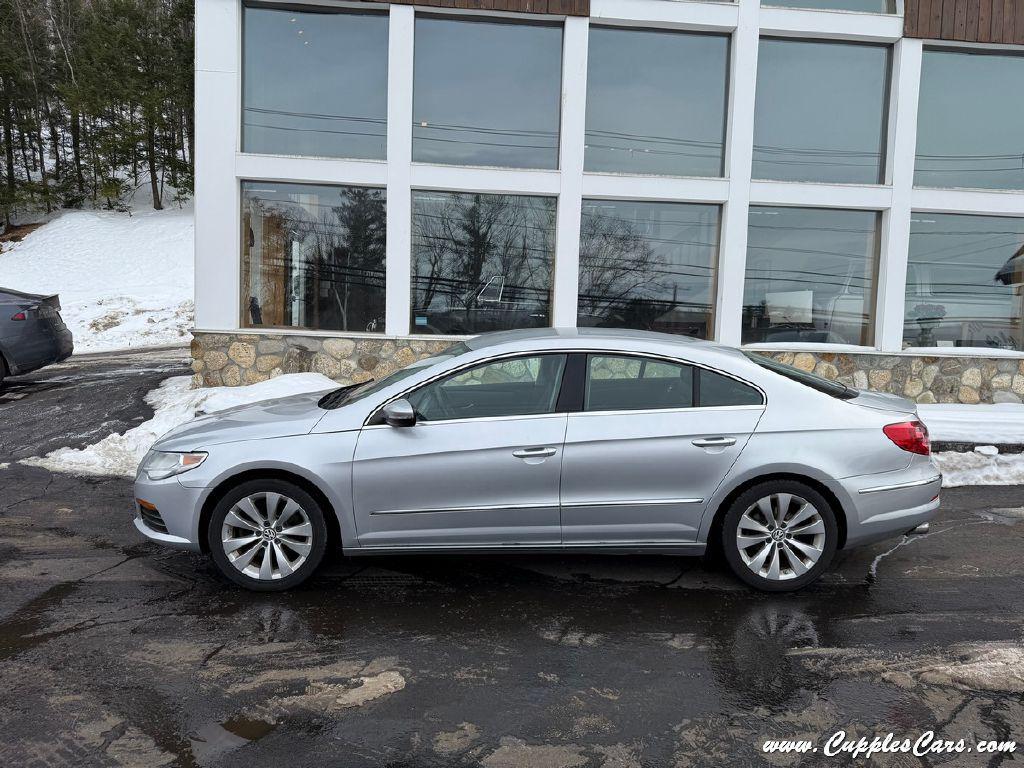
(32, 333)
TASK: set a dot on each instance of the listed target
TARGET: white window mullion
(565, 293)
(398, 269)
(892, 267)
(732, 258)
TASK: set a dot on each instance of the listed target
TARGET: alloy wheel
(781, 536)
(267, 536)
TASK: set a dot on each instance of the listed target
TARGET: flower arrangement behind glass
(927, 316)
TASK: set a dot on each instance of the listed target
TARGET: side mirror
(399, 413)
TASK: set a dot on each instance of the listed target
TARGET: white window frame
(221, 166)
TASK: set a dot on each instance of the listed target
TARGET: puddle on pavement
(248, 729)
(22, 631)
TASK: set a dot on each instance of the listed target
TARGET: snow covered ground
(999, 423)
(125, 281)
(174, 403)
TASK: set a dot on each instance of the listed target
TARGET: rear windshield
(829, 387)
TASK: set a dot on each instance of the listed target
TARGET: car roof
(604, 339)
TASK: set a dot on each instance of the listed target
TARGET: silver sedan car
(548, 440)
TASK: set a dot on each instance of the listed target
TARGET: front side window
(520, 386)
(970, 128)
(649, 266)
(315, 82)
(486, 93)
(626, 383)
(481, 262)
(312, 256)
(656, 102)
(810, 275)
(820, 111)
(965, 282)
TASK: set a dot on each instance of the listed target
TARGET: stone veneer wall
(231, 359)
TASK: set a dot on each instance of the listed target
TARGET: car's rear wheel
(267, 535)
(779, 536)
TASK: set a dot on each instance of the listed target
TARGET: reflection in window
(521, 386)
(810, 275)
(970, 127)
(315, 82)
(648, 265)
(864, 6)
(642, 116)
(626, 383)
(965, 282)
(481, 262)
(486, 93)
(820, 111)
(313, 256)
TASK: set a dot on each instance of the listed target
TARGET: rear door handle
(714, 442)
(534, 453)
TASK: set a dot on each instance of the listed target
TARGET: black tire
(792, 582)
(317, 536)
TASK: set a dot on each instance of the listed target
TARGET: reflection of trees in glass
(647, 265)
(318, 264)
(481, 262)
(618, 271)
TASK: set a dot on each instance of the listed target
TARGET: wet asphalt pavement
(115, 652)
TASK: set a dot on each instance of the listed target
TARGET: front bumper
(173, 505)
(892, 503)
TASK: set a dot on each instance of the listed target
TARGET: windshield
(353, 392)
(829, 387)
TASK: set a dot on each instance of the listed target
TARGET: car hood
(282, 417)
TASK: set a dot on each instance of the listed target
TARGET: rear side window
(625, 383)
(718, 390)
(829, 387)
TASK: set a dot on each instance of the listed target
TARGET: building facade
(839, 183)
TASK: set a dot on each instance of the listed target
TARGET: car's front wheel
(779, 536)
(267, 535)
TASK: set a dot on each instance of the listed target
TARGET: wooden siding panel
(973, 21)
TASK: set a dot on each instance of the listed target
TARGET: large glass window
(481, 262)
(312, 256)
(965, 282)
(820, 111)
(521, 386)
(648, 265)
(315, 82)
(864, 6)
(656, 102)
(810, 275)
(486, 93)
(970, 125)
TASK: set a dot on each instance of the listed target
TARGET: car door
(479, 468)
(653, 441)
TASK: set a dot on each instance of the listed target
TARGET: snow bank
(999, 423)
(174, 403)
(124, 281)
(983, 466)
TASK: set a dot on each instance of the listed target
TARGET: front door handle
(714, 442)
(534, 453)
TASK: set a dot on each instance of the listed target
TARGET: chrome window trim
(647, 411)
(900, 486)
(467, 419)
(571, 351)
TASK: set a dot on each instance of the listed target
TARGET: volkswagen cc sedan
(553, 441)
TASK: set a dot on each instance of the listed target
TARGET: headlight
(159, 465)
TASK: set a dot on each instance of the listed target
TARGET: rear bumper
(892, 503)
(40, 350)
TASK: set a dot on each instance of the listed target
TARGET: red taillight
(910, 436)
(19, 316)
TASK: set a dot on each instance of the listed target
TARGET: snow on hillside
(124, 281)
(174, 402)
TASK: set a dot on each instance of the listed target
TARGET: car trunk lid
(884, 401)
